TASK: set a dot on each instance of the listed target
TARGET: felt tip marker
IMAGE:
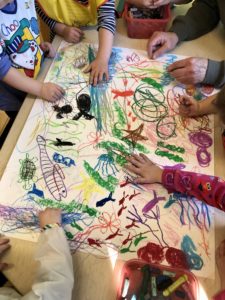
(175, 285)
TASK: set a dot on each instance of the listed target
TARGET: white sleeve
(54, 279)
(8, 293)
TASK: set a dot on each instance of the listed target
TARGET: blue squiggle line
(195, 262)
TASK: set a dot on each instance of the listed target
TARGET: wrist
(159, 173)
(39, 89)
(60, 29)
(199, 109)
(50, 226)
(34, 87)
(175, 38)
(101, 57)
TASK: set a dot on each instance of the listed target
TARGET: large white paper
(77, 165)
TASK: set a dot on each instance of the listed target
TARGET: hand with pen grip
(188, 107)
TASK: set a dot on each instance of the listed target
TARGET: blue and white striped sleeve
(106, 16)
(5, 63)
(48, 21)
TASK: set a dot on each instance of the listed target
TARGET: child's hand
(148, 3)
(98, 71)
(146, 170)
(141, 3)
(51, 92)
(157, 3)
(4, 246)
(188, 107)
(72, 34)
(48, 49)
(49, 216)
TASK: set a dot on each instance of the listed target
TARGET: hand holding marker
(188, 107)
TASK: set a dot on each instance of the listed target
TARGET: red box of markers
(144, 28)
(139, 280)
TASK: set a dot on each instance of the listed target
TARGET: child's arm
(69, 33)
(54, 278)
(47, 90)
(11, 76)
(206, 188)
(48, 21)
(99, 67)
(189, 107)
(106, 26)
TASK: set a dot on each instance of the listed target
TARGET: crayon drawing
(71, 154)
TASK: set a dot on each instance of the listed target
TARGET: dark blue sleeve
(5, 63)
(106, 16)
(48, 21)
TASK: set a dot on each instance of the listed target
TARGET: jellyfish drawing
(106, 165)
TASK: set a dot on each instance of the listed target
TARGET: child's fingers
(87, 69)
(4, 241)
(78, 30)
(58, 95)
(3, 266)
(76, 36)
(185, 100)
(100, 76)
(61, 90)
(106, 73)
(4, 247)
(132, 169)
(137, 158)
(141, 180)
(145, 158)
(95, 78)
(131, 158)
(137, 162)
(91, 78)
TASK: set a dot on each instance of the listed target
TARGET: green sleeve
(201, 18)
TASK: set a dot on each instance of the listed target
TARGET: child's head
(3, 3)
(219, 103)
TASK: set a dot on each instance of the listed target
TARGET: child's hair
(219, 103)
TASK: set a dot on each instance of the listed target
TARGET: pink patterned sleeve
(206, 188)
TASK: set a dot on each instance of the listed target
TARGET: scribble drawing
(27, 171)
(203, 141)
(52, 173)
(82, 143)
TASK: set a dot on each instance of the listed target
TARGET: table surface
(94, 277)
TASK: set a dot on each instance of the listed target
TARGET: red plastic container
(132, 270)
(144, 28)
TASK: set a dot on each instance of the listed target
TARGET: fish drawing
(52, 173)
(60, 143)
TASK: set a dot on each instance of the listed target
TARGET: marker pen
(175, 285)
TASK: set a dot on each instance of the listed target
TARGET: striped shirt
(48, 21)
(106, 15)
